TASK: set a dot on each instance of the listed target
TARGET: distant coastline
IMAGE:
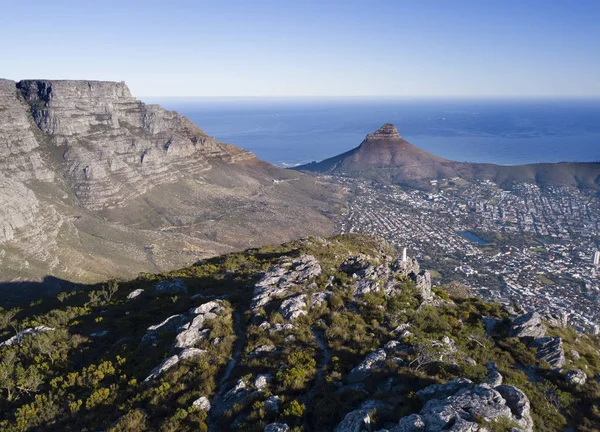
(293, 131)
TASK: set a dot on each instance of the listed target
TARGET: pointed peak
(387, 131)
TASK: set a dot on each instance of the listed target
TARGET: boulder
(203, 403)
(272, 404)
(135, 294)
(493, 377)
(575, 355)
(170, 287)
(262, 381)
(212, 306)
(423, 284)
(550, 349)
(169, 362)
(575, 377)
(359, 419)
(262, 350)
(372, 362)
(276, 427)
(293, 307)
(441, 391)
(528, 325)
(519, 405)
(411, 423)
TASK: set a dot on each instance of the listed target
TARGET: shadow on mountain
(19, 293)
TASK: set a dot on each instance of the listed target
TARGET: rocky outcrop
(528, 325)
(281, 280)
(550, 349)
(130, 147)
(203, 403)
(169, 362)
(575, 377)
(372, 277)
(457, 404)
(359, 419)
(373, 362)
(32, 331)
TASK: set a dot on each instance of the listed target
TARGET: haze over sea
(295, 131)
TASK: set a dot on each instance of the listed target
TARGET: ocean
(288, 132)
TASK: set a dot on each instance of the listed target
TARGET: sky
(396, 48)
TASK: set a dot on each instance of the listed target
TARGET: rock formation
(95, 184)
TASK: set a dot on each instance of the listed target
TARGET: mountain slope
(316, 335)
(95, 183)
(385, 156)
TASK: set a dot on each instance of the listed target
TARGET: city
(536, 248)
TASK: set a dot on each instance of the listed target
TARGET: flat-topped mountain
(95, 183)
(385, 156)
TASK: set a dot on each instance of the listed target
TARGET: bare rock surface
(279, 281)
(550, 349)
(576, 377)
(456, 405)
(32, 331)
(371, 363)
(96, 184)
(528, 325)
(173, 360)
(359, 419)
(203, 403)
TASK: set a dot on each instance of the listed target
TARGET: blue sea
(288, 132)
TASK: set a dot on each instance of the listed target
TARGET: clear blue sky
(310, 48)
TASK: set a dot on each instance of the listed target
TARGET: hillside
(385, 156)
(95, 184)
(317, 334)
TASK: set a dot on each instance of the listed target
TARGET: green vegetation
(89, 373)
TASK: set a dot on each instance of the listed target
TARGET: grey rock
(576, 377)
(276, 427)
(493, 377)
(411, 423)
(170, 287)
(262, 381)
(279, 281)
(99, 334)
(519, 405)
(550, 349)
(173, 360)
(135, 294)
(423, 284)
(262, 350)
(528, 325)
(31, 331)
(441, 391)
(272, 404)
(575, 355)
(203, 403)
(372, 362)
(212, 306)
(359, 419)
(293, 307)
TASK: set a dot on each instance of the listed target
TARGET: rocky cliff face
(96, 183)
(114, 146)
